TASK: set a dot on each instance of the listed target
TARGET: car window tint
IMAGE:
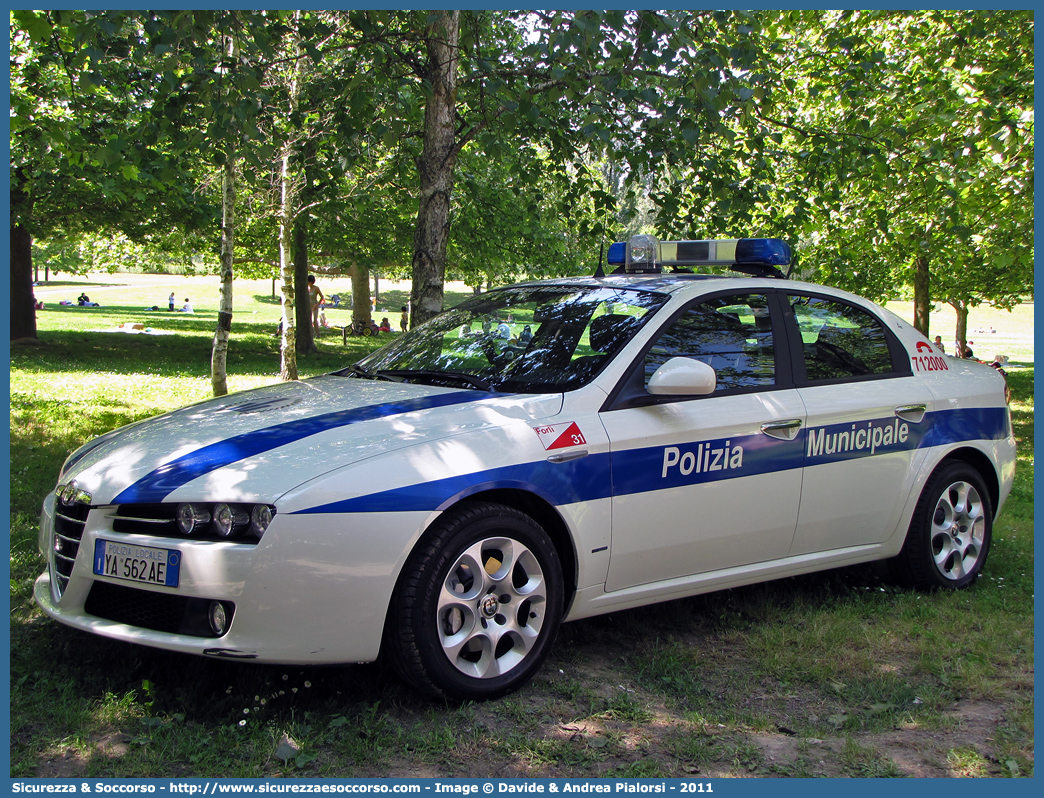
(521, 339)
(840, 340)
(732, 335)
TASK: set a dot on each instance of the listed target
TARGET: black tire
(950, 532)
(493, 638)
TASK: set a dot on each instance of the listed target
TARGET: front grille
(146, 609)
(146, 519)
(69, 521)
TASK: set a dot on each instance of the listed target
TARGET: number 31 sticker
(560, 436)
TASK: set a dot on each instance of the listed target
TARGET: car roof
(682, 284)
(668, 283)
(678, 282)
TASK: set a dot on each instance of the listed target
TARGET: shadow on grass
(217, 691)
(223, 693)
(206, 690)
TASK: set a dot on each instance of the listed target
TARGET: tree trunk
(288, 360)
(436, 169)
(305, 338)
(23, 311)
(961, 332)
(219, 354)
(361, 295)
(287, 214)
(922, 294)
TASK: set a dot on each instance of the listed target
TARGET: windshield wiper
(441, 377)
(356, 370)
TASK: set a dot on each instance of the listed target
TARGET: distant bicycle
(359, 328)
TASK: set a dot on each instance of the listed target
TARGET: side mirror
(683, 376)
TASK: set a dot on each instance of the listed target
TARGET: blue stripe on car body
(636, 471)
(157, 485)
(585, 479)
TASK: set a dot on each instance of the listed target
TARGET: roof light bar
(644, 254)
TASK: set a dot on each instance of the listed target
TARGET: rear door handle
(911, 413)
(784, 430)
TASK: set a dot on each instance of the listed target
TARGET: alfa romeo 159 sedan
(540, 453)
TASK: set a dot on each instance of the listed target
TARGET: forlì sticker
(560, 436)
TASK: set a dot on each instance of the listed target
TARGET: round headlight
(190, 516)
(218, 618)
(260, 518)
(223, 520)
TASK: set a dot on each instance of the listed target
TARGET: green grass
(684, 688)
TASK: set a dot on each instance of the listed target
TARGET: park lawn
(698, 686)
(992, 331)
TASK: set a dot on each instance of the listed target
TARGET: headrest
(610, 331)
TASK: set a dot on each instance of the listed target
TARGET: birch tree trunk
(287, 214)
(219, 351)
(288, 359)
(436, 166)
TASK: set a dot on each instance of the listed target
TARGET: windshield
(526, 339)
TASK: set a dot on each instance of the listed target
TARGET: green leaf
(36, 24)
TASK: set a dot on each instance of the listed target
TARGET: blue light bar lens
(763, 251)
(770, 251)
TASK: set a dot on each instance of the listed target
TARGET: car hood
(258, 444)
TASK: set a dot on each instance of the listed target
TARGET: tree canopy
(893, 149)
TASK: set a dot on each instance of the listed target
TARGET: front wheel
(479, 605)
(949, 536)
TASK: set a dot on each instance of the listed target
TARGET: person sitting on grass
(187, 307)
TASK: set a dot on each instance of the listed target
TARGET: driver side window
(731, 334)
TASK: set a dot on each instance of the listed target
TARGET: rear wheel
(949, 536)
(479, 605)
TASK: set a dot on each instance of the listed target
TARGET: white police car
(542, 452)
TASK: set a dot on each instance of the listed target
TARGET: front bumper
(315, 590)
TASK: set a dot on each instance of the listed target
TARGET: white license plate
(145, 564)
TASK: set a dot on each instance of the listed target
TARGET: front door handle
(565, 457)
(784, 430)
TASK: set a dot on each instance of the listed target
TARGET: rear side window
(732, 335)
(839, 340)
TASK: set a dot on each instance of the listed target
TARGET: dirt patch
(635, 733)
(72, 762)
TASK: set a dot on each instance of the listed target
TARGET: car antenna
(599, 272)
